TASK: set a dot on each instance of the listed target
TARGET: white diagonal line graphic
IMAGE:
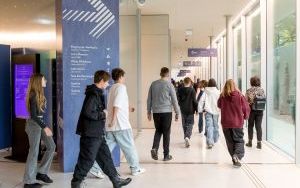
(73, 14)
(102, 17)
(78, 15)
(113, 21)
(89, 17)
(93, 2)
(99, 24)
(110, 19)
(97, 4)
(84, 16)
(102, 5)
(67, 14)
(96, 16)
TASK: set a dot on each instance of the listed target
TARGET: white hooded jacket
(208, 101)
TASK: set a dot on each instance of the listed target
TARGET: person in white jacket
(208, 104)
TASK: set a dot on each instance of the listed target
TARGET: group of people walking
(208, 102)
(101, 128)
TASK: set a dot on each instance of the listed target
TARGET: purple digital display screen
(22, 76)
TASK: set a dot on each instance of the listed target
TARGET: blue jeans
(124, 138)
(200, 122)
(212, 128)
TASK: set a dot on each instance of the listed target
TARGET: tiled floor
(191, 168)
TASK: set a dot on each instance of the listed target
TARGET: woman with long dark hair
(37, 130)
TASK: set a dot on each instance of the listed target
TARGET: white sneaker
(138, 172)
(98, 174)
(187, 142)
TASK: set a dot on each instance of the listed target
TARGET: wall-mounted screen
(21, 81)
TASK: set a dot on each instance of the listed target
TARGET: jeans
(187, 124)
(35, 134)
(255, 118)
(162, 122)
(123, 138)
(200, 122)
(235, 141)
(212, 128)
(91, 149)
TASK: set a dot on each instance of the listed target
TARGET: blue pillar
(5, 97)
(88, 40)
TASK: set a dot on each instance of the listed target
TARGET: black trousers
(162, 122)
(91, 149)
(235, 141)
(255, 119)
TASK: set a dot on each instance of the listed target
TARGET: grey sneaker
(236, 161)
(187, 142)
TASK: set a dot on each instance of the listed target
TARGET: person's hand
(176, 117)
(112, 123)
(149, 116)
(48, 131)
(131, 109)
(105, 111)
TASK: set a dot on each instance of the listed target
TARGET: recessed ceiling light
(44, 21)
(188, 32)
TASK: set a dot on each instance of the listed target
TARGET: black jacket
(91, 121)
(35, 114)
(187, 100)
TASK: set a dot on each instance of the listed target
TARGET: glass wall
(253, 30)
(237, 50)
(282, 70)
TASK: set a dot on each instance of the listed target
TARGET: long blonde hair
(228, 88)
(35, 87)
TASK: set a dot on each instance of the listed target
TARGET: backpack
(259, 103)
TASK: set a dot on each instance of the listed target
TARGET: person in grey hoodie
(161, 99)
(208, 104)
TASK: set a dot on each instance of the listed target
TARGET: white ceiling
(204, 17)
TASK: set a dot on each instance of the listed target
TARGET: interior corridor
(191, 167)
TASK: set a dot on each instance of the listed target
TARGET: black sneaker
(236, 161)
(154, 154)
(258, 145)
(34, 185)
(249, 144)
(44, 178)
(210, 146)
(120, 182)
(168, 158)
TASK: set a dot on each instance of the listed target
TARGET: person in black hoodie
(91, 126)
(188, 106)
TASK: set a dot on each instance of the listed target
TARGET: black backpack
(259, 103)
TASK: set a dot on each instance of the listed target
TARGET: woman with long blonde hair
(234, 110)
(37, 130)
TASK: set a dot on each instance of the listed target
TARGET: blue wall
(5, 97)
(90, 38)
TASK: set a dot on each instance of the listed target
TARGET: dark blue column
(88, 40)
(5, 97)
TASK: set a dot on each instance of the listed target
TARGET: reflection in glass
(281, 120)
(253, 45)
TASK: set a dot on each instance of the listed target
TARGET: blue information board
(90, 42)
